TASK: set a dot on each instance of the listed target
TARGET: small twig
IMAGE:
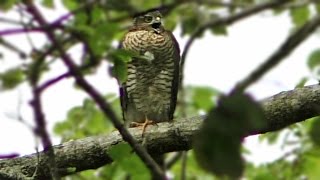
(184, 165)
(9, 156)
(286, 48)
(19, 113)
(55, 24)
(13, 48)
(53, 81)
(173, 160)
(95, 95)
(41, 131)
(25, 26)
(23, 30)
(10, 21)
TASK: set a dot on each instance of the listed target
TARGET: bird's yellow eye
(147, 19)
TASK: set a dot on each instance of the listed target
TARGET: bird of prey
(149, 94)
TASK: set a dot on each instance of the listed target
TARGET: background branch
(281, 110)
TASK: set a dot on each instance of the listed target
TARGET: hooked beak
(156, 23)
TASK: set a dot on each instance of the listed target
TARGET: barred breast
(150, 76)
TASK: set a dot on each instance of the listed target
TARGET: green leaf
(300, 15)
(193, 170)
(220, 30)
(120, 152)
(302, 82)
(6, 5)
(317, 7)
(271, 138)
(71, 4)
(48, 3)
(314, 59)
(217, 30)
(119, 71)
(122, 155)
(122, 55)
(189, 24)
(218, 143)
(86, 120)
(11, 78)
(171, 20)
(203, 98)
(311, 164)
(314, 132)
(143, 4)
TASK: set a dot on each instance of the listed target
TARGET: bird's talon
(135, 124)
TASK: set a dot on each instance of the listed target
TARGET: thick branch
(281, 110)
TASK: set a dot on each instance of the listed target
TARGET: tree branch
(281, 110)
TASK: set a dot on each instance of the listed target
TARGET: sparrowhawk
(149, 94)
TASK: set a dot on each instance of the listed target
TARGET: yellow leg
(143, 125)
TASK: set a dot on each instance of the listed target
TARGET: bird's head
(151, 20)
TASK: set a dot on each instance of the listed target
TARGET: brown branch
(281, 110)
(41, 131)
(40, 121)
(95, 95)
(10, 21)
(13, 48)
(9, 156)
(53, 81)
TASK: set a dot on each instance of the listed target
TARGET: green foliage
(271, 138)
(193, 170)
(120, 57)
(314, 132)
(144, 4)
(6, 5)
(126, 160)
(170, 21)
(11, 78)
(300, 15)
(280, 169)
(119, 71)
(218, 143)
(86, 120)
(48, 3)
(71, 4)
(310, 163)
(218, 30)
(314, 59)
(197, 99)
(203, 98)
(302, 82)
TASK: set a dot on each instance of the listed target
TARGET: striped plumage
(150, 91)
